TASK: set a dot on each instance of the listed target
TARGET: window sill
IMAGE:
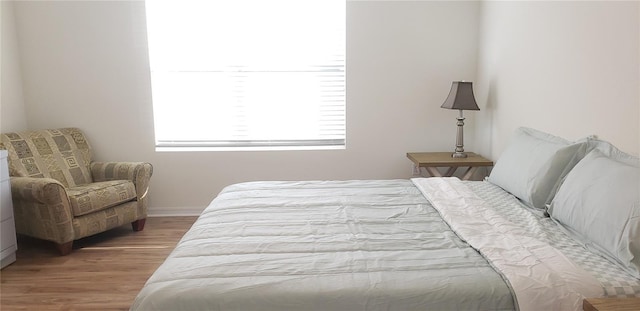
(260, 148)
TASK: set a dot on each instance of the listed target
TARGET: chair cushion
(93, 197)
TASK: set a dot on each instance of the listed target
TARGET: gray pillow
(599, 204)
(533, 164)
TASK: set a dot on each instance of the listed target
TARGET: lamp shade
(461, 97)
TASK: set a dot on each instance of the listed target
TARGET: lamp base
(458, 155)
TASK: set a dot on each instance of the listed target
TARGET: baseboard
(175, 211)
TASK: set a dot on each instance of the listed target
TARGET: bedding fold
(541, 277)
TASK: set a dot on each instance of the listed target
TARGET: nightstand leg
(434, 172)
(469, 173)
(450, 171)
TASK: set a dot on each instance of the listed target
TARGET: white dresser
(8, 245)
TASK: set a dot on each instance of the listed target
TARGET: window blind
(247, 73)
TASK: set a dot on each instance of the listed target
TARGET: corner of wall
(12, 107)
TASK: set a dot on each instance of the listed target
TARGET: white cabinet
(8, 245)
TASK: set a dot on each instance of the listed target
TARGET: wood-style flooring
(103, 272)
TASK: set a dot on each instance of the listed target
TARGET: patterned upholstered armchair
(60, 195)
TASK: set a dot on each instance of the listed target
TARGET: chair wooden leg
(138, 225)
(65, 248)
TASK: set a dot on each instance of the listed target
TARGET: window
(247, 73)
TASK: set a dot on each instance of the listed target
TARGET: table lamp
(460, 98)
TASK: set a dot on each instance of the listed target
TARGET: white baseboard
(175, 211)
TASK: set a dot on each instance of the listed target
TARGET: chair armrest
(42, 209)
(138, 172)
(40, 190)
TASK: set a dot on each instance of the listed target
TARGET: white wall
(568, 68)
(85, 64)
(12, 109)
(565, 67)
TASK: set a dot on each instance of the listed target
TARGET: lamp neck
(459, 152)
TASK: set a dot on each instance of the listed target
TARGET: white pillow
(533, 164)
(599, 203)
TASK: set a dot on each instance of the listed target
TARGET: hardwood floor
(104, 272)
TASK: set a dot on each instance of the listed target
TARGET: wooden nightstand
(432, 160)
(617, 304)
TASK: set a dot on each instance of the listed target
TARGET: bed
(516, 241)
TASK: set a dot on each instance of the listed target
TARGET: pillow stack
(533, 164)
(590, 188)
(599, 203)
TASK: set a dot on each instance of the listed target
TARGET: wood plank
(444, 159)
(611, 304)
(103, 272)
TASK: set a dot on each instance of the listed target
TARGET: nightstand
(617, 304)
(431, 161)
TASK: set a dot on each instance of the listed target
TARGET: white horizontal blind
(247, 73)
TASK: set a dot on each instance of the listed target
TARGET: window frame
(166, 143)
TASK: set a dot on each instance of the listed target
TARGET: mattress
(347, 245)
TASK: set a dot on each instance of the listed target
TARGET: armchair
(61, 195)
